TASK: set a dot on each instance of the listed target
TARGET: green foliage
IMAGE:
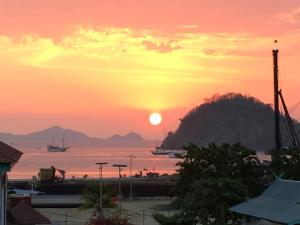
(210, 198)
(172, 220)
(229, 161)
(212, 179)
(91, 196)
(287, 163)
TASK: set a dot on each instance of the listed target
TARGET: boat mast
(63, 141)
(165, 135)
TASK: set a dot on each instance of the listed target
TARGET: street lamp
(119, 197)
(100, 164)
(131, 157)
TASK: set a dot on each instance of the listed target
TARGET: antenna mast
(276, 101)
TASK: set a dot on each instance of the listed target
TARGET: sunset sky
(101, 66)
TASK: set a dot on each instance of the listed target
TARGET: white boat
(172, 153)
(55, 148)
(160, 151)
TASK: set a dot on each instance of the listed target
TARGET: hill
(73, 138)
(129, 137)
(230, 118)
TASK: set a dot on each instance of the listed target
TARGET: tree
(212, 179)
(91, 196)
(209, 200)
(229, 161)
(286, 162)
(171, 220)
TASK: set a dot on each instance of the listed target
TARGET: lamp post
(119, 197)
(130, 174)
(100, 164)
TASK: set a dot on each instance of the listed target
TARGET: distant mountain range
(41, 139)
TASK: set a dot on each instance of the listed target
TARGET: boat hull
(52, 148)
(166, 151)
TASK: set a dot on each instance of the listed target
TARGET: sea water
(78, 162)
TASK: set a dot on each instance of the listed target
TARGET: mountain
(230, 118)
(129, 137)
(73, 138)
(57, 132)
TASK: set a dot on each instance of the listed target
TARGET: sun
(155, 118)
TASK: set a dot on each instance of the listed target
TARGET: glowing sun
(155, 118)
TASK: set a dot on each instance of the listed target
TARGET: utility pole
(3, 197)
(144, 217)
(100, 164)
(276, 100)
(66, 216)
(130, 174)
(120, 193)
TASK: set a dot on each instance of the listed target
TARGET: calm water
(80, 161)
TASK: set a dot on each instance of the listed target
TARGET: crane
(293, 133)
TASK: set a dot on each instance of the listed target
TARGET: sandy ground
(139, 212)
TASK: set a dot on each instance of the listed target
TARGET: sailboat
(56, 148)
(162, 150)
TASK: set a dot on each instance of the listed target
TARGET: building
(278, 204)
(9, 156)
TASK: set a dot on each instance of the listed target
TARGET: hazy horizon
(69, 129)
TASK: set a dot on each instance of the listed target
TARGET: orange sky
(102, 66)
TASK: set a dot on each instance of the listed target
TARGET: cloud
(136, 51)
(291, 17)
(114, 59)
(212, 51)
(118, 61)
(163, 47)
(129, 51)
(189, 26)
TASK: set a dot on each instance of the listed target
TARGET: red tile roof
(9, 154)
(24, 214)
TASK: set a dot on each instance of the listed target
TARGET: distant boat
(172, 153)
(55, 148)
(160, 151)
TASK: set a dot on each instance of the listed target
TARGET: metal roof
(263, 222)
(279, 203)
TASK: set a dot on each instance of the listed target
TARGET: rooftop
(23, 214)
(279, 203)
(9, 154)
